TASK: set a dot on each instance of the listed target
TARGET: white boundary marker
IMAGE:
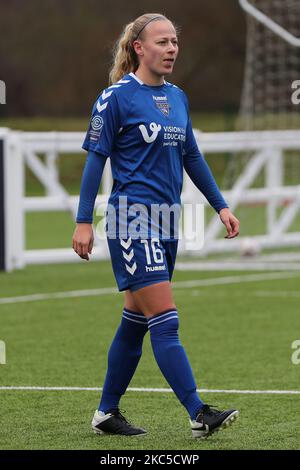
(151, 390)
(176, 285)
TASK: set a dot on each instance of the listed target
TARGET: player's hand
(83, 240)
(231, 223)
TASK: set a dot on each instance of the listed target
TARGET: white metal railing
(21, 148)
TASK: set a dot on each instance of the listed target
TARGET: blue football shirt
(145, 130)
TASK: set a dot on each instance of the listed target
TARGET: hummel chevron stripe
(101, 107)
(106, 95)
(129, 256)
(132, 269)
(125, 244)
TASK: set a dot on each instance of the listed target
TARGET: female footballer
(142, 123)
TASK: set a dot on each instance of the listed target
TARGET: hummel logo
(155, 128)
(155, 268)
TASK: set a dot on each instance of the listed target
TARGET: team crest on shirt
(162, 104)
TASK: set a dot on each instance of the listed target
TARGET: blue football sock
(123, 357)
(172, 360)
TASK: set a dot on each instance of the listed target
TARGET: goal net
(272, 66)
(262, 185)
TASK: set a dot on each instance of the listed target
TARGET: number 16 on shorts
(139, 262)
(152, 247)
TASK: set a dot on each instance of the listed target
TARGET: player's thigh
(130, 303)
(155, 298)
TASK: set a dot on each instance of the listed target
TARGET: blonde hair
(125, 59)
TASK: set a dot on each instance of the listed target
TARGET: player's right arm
(103, 129)
(83, 237)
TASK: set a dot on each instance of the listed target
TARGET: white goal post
(269, 23)
(22, 148)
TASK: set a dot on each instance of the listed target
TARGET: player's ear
(137, 46)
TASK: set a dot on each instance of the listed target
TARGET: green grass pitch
(237, 336)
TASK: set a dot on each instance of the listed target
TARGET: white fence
(22, 148)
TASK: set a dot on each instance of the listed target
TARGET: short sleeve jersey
(145, 130)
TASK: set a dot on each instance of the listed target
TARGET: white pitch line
(153, 390)
(59, 295)
(237, 266)
(258, 293)
(285, 293)
(176, 285)
(234, 279)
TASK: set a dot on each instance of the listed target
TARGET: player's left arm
(198, 170)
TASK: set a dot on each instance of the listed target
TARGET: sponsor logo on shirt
(173, 135)
(149, 138)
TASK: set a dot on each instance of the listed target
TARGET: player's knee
(151, 312)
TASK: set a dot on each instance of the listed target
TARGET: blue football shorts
(141, 262)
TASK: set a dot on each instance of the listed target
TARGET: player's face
(159, 47)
